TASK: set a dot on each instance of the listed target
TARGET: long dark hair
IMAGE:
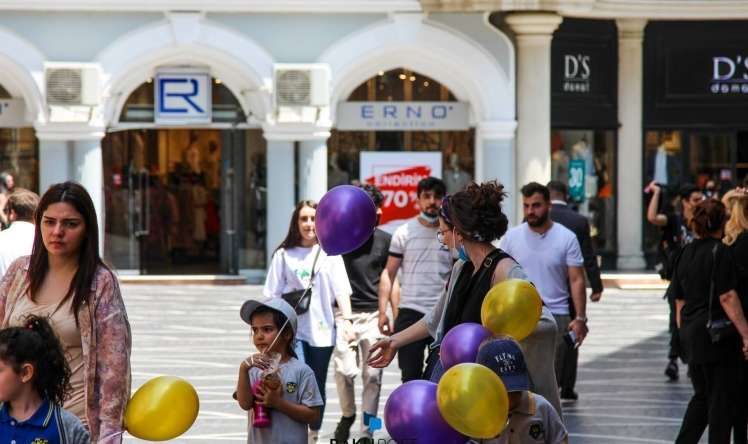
(88, 256)
(293, 238)
(36, 343)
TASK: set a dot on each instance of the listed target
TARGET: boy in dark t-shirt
(364, 267)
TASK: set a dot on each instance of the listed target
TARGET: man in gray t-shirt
(424, 266)
(299, 387)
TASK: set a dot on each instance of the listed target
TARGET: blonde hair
(738, 221)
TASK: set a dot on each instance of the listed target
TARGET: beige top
(63, 323)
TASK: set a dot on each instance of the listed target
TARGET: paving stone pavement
(194, 332)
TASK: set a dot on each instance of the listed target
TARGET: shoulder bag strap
(711, 283)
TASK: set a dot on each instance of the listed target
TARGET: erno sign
(403, 116)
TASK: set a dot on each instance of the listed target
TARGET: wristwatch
(581, 319)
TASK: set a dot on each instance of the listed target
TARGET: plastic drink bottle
(261, 418)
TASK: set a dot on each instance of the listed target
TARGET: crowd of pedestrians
(65, 338)
(703, 252)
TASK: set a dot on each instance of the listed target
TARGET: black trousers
(714, 403)
(410, 358)
(740, 424)
(675, 351)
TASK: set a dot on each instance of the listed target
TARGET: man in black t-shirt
(675, 235)
(365, 267)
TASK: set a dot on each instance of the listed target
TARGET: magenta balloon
(345, 219)
(411, 415)
(461, 344)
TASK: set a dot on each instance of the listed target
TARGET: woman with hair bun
(469, 221)
(704, 285)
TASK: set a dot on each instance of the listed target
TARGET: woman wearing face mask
(296, 260)
(468, 222)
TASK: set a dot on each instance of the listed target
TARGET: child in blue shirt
(292, 396)
(34, 378)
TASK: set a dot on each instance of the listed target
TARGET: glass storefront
(710, 159)
(184, 201)
(592, 154)
(584, 122)
(19, 153)
(402, 85)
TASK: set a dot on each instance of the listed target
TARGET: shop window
(19, 153)
(139, 106)
(397, 85)
(711, 160)
(585, 160)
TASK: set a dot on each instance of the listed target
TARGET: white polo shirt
(546, 259)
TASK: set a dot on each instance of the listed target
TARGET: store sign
(12, 113)
(183, 97)
(403, 116)
(396, 174)
(577, 177)
(729, 75)
(576, 73)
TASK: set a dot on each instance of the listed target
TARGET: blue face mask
(429, 218)
(462, 254)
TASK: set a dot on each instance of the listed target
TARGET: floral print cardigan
(106, 344)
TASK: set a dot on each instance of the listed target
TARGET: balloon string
(286, 322)
(112, 435)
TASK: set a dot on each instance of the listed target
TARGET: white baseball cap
(277, 304)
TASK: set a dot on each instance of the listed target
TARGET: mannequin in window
(664, 166)
(336, 175)
(455, 178)
(582, 150)
(559, 159)
(192, 155)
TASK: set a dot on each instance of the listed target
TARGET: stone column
(534, 32)
(630, 151)
(313, 167)
(54, 162)
(495, 159)
(73, 152)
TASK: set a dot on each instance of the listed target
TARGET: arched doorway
(403, 126)
(19, 147)
(184, 199)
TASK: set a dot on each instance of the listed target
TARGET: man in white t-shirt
(425, 267)
(18, 239)
(550, 255)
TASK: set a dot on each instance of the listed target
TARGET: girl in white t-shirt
(291, 269)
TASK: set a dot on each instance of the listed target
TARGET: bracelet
(581, 319)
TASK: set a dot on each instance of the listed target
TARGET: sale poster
(396, 174)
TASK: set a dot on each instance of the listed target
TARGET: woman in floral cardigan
(65, 280)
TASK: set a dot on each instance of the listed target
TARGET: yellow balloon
(162, 409)
(473, 400)
(511, 307)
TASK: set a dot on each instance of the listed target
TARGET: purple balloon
(461, 344)
(411, 415)
(345, 219)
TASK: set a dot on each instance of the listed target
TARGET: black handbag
(719, 329)
(300, 299)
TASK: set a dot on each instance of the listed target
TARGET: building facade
(188, 129)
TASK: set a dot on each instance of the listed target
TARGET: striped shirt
(426, 264)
